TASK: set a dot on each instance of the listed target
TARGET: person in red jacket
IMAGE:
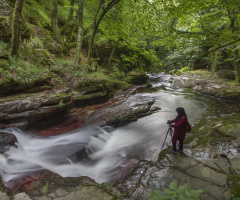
(179, 129)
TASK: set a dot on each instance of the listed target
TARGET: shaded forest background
(74, 43)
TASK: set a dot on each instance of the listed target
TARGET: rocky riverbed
(210, 161)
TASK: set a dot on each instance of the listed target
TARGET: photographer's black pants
(174, 143)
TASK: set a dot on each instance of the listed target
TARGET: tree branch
(217, 49)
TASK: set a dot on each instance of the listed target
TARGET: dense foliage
(118, 37)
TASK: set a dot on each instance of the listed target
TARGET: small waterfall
(98, 143)
(107, 151)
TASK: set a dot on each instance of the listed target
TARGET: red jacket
(179, 128)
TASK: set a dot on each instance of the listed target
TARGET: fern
(183, 192)
(45, 189)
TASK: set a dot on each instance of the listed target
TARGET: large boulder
(120, 114)
(226, 73)
(5, 22)
(4, 8)
(137, 78)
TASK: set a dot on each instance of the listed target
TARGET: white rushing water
(108, 151)
(32, 154)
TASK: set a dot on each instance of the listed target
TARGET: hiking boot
(172, 151)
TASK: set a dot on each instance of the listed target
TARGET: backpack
(188, 127)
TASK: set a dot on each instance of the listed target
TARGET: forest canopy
(119, 36)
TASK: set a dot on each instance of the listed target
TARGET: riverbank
(206, 83)
(211, 156)
(209, 162)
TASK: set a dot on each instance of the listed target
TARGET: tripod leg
(165, 138)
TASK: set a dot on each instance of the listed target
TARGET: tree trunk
(237, 65)
(97, 21)
(80, 33)
(70, 18)
(54, 21)
(16, 31)
(112, 53)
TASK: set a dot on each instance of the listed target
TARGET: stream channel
(110, 149)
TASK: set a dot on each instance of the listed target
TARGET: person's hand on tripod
(169, 123)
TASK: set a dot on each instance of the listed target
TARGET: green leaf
(173, 186)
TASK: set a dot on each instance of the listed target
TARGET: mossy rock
(37, 56)
(10, 85)
(90, 86)
(137, 78)
(7, 84)
(4, 8)
(235, 182)
(81, 100)
(44, 57)
(52, 46)
(5, 29)
(226, 73)
(214, 130)
(4, 64)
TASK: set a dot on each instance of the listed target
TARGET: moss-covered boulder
(36, 56)
(4, 64)
(51, 45)
(6, 8)
(137, 78)
(9, 85)
(204, 82)
(226, 73)
(216, 130)
(5, 28)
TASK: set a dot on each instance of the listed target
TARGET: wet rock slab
(207, 175)
(55, 187)
(6, 140)
(24, 109)
(122, 113)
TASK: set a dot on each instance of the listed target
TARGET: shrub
(26, 73)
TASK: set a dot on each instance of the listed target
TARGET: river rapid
(109, 150)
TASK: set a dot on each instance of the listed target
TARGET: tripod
(170, 130)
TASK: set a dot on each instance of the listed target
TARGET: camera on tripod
(169, 121)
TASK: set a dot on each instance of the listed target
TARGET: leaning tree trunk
(16, 31)
(80, 34)
(54, 21)
(70, 18)
(97, 22)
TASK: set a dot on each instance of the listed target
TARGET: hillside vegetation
(61, 43)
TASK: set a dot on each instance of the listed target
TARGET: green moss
(4, 50)
(200, 72)
(34, 53)
(189, 139)
(202, 140)
(235, 179)
(162, 154)
(214, 130)
(5, 29)
(136, 78)
(4, 63)
(38, 13)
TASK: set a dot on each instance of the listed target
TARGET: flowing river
(109, 151)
